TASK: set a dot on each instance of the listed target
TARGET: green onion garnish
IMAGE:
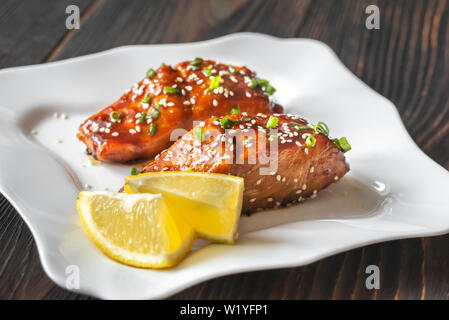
(235, 109)
(195, 63)
(215, 83)
(299, 127)
(153, 129)
(272, 122)
(254, 83)
(142, 117)
(245, 119)
(225, 122)
(116, 116)
(264, 84)
(321, 127)
(151, 73)
(199, 133)
(171, 90)
(270, 89)
(189, 170)
(207, 72)
(342, 143)
(147, 99)
(133, 171)
(310, 141)
(232, 69)
(155, 114)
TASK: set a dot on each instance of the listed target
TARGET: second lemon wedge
(209, 203)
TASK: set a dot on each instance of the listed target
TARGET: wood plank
(30, 30)
(407, 61)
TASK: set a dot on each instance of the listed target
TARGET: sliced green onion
(235, 109)
(195, 63)
(153, 129)
(299, 127)
(155, 114)
(254, 83)
(245, 119)
(321, 127)
(147, 99)
(116, 116)
(151, 73)
(163, 64)
(270, 89)
(199, 133)
(171, 90)
(133, 171)
(310, 141)
(272, 122)
(142, 118)
(225, 122)
(342, 143)
(264, 84)
(215, 83)
(207, 72)
(189, 170)
(232, 69)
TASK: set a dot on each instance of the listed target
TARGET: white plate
(393, 190)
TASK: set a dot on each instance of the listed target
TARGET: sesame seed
(252, 200)
(248, 95)
(270, 199)
(199, 81)
(170, 104)
(284, 179)
(306, 150)
(132, 131)
(107, 130)
(298, 143)
(138, 128)
(33, 132)
(145, 105)
(315, 191)
(187, 103)
(233, 79)
(188, 88)
(278, 177)
(312, 169)
(336, 178)
(295, 180)
(215, 103)
(298, 191)
(87, 186)
(304, 186)
(114, 134)
(192, 101)
(259, 181)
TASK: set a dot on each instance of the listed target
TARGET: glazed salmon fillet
(282, 158)
(140, 123)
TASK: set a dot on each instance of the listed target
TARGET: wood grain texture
(407, 61)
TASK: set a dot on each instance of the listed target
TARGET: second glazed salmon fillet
(139, 125)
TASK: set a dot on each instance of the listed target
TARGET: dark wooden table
(407, 61)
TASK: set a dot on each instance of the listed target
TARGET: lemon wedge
(210, 203)
(135, 229)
